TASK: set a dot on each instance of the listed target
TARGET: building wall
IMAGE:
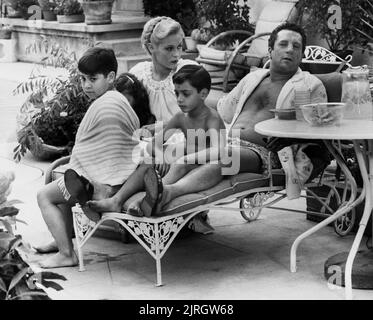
(128, 7)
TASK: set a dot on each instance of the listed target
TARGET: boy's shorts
(62, 187)
(110, 191)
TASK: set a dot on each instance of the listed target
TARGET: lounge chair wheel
(251, 213)
(344, 224)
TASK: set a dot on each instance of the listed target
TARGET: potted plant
(19, 8)
(363, 53)
(365, 29)
(317, 19)
(5, 31)
(47, 7)
(192, 40)
(183, 11)
(13, 9)
(69, 11)
(49, 119)
(216, 16)
(97, 11)
(17, 280)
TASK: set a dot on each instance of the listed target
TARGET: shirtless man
(284, 85)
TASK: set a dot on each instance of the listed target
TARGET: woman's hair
(157, 29)
(128, 83)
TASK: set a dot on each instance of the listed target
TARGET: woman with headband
(162, 39)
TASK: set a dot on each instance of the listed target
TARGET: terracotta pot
(43, 151)
(75, 18)
(49, 15)
(191, 44)
(97, 12)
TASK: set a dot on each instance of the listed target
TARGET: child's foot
(134, 209)
(104, 205)
(59, 261)
(48, 248)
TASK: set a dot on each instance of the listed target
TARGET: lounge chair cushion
(226, 188)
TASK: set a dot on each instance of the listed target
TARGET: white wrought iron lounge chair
(253, 192)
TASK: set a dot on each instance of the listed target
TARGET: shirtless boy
(188, 173)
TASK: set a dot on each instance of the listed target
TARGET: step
(124, 47)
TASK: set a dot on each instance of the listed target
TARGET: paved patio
(239, 261)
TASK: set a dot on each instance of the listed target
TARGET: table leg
(368, 186)
(351, 203)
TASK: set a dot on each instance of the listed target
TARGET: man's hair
(287, 26)
(98, 60)
(197, 76)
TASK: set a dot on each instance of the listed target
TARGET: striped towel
(106, 150)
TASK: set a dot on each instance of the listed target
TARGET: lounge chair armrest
(227, 33)
(245, 42)
(241, 45)
(54, 165)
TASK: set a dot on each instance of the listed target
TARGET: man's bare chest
(267, 93)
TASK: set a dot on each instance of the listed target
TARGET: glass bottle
(356, 93)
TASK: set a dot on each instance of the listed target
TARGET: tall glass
(356, 93)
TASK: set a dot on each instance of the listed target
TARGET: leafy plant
(224, 15)
(17, 280)
(317, 20)
(21, 5)
(183, 11)
(201, 35)
(56, 106)
(68, 7)
(366, 14)
(47, 4)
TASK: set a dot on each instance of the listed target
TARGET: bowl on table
(284, 114)
(323, 114)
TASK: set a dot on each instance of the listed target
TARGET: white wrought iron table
(361, 133)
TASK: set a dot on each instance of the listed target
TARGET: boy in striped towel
(104, 146)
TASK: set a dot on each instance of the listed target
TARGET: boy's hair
(197, 76)
(98, 60)
(127, 82)
(287, 26)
